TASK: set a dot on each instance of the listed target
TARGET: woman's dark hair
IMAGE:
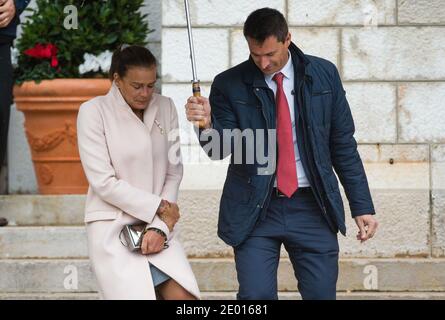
(266, 22)
(127, 56)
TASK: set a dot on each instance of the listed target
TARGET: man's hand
(152, 242)
(169, 213)
(367, 226)
(7, 12)
(198, 109)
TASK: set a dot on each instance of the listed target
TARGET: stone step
(43, 242)
(396, 237)
(232, 296)
(70, 242)
(29, 210)
(75, 275)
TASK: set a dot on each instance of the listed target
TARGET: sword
(195, 82)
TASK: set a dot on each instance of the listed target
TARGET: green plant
(102, 25)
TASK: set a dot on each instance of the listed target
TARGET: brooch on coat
(159, 126)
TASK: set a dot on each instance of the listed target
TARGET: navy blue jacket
(241, 99)
(10, 32)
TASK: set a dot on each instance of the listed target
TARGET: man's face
(271, 55)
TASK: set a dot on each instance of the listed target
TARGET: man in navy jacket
(10, 11)
(291, 107)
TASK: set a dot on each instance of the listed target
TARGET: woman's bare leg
(171, 290)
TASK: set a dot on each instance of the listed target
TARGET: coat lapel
(151, 112)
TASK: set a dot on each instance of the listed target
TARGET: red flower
(48, 51)
(54, 62)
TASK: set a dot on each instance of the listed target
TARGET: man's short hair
(266, 22)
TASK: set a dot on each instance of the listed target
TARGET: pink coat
(130, 165)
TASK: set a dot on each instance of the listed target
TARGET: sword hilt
(196, 88)
(197, 93)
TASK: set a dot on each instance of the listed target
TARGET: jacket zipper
(268, 127)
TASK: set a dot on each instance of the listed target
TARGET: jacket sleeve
(20, 5)
(344, 154)
(218, 142)
(100, 173)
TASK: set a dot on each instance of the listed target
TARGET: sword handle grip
(196, 89)
(197, 93)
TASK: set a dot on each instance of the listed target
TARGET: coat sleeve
(100, 173)
(175, 166)
(344, 154)
(174, 169)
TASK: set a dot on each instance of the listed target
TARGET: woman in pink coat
(130, 151)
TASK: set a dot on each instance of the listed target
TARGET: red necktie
(287, 181)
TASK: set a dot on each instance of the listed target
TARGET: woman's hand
(152, 242)
(169, 213)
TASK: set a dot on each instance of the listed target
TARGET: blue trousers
(298, 223)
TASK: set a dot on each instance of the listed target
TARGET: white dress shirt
(288, 86)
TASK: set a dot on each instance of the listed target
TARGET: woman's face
(137, 86)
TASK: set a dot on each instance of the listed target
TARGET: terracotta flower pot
(50, 110)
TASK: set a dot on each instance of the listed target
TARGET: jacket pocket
(321, 103)
(247, 104)
(333, 182)
(323, 147)
(238, 187)
(100, 215)
(323, 134)
(320, 93)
